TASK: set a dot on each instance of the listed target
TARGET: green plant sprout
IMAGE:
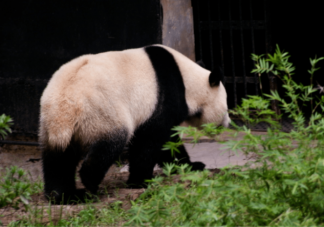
(15, 188)
(5, 123)
(284, 186)
(298, 95)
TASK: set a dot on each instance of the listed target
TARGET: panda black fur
(96, 104)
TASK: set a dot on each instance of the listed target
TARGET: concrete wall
(37, 37)
(177, 32)
(178, 27)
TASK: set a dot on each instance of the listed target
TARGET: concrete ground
(208, 151)
(213, 155)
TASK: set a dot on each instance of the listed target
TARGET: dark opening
(37, 37)
(226, 33)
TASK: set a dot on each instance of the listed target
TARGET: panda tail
(59, 117)
(56, 135)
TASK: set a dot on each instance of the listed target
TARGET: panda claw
(197, 166)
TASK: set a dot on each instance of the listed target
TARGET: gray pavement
(213, 155)
(210, 152)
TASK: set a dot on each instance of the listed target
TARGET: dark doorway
(297, 29)
(226, 33)
(37, 37)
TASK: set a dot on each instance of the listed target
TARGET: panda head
(212, 107)
(205, 94)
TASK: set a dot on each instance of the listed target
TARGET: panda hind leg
(179, 158)
(100, 156)
(59, 168)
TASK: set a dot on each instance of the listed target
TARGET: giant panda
(96, 104)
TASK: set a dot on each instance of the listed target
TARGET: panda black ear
(215, 77)
(201, 63)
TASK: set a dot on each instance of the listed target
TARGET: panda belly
(137, 98)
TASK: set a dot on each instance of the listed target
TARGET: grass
(16, 188)
(85, 215)
(284, 187)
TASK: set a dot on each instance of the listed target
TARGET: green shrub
(5, 123)
(109, 215)
(284, 186)
(15, 188)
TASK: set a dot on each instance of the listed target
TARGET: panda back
(96, 95)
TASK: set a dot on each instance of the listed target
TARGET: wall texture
(177, 28)
(37, 37)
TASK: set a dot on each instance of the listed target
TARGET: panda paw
(197, 166)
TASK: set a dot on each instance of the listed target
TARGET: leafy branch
(5, 123)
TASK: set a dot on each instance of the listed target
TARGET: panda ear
(215, 77)
(201, 63)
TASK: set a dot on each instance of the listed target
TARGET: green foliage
(119, 162)
(5, 123)
(189, 131)
(182, 131)
(210, 130)
(110, 215)
(86, 217)
(296, 94)
(16, 188)
(254, 110)
(284, 186)
(172, 146)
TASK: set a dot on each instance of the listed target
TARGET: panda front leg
(143, 156)
(145, 152)
(141, 165)
(101, 155)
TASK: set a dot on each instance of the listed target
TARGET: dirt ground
(112, 189)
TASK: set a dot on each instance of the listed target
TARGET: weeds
(91, 216)
(5, 123)
(88, 215)
(283, 187)
(15, 188)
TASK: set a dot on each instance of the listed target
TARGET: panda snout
(226, 120)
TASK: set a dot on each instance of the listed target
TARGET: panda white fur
(96, 104)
